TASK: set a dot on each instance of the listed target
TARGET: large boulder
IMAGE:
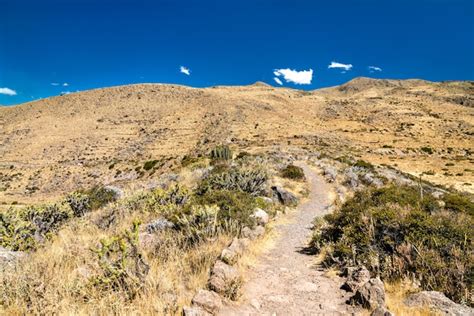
(224, 278)
(356, 278)
(283, 196)
(261, 217)
(195, 311)
(209, 301)
(438, 302)
(371, 295)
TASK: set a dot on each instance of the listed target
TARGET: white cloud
(65, 92)
(295, 76)
(7, 91)
(184, 70)
(335, 64)
(54, 84)
(374, 68)
(277, 80)
(65, 84)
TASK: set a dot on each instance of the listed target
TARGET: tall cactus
(222, 152)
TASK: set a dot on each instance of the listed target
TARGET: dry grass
(56, 278)
(395, 294)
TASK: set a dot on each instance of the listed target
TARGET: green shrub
(222, 152)
(98, 196)
(396, 234)
(188, 160)
(234, 206)
(427, 150)
(293, 172)
(252, 181)
(459, 203)
(79, 203)
(148, 165)
(199, 222)
(364, 164)
(123, 265)
(22, 229)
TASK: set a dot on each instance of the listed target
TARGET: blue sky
(84, 44)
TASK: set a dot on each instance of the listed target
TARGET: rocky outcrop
(223, 278)
(381, 311)
(356, 278)
(438, 302)
(261, 217)
(230, 254)
(371, 295)
(283, 196)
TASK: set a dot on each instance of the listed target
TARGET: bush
(364, 164)
(293, 172)
(23, 229)
(148, 165)
(222, 152)
(98, 196)
(458, 203)
(252, 181)
(122, 263)
(236, 207)
(427, 150)
(396, 234)
(80, 204)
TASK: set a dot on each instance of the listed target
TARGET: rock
(208, 300)
(252, 234)
(266, 199)
(195, 311)
(230, 254)
(148, 241)
(255, 303)
(356, 277)
(371, 295)
(261, 216)
(381, 311)
(223, 277)
(370, 179)
(437, 301)
(158, 225)
(284, 197)
(329, 173)
(9, 257)
(352, 179)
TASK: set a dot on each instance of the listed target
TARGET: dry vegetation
(129, 135)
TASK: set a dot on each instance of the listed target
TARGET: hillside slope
(56, 145)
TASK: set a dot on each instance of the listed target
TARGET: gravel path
(285, 280)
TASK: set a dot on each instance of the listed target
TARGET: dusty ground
(53, 146)
(285, 280)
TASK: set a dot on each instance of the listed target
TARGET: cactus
(222, 152)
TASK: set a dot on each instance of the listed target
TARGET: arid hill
(56, 145)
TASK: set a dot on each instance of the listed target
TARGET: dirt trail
(285, 280)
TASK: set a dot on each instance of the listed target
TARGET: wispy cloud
(65, 92)
(54, 84)
(295, 76)
(335, 64)
(65, 84)
(374, 68)
(277, 80)
(7, 91)
(184, 70)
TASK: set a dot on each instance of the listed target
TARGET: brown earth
(53, 146)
